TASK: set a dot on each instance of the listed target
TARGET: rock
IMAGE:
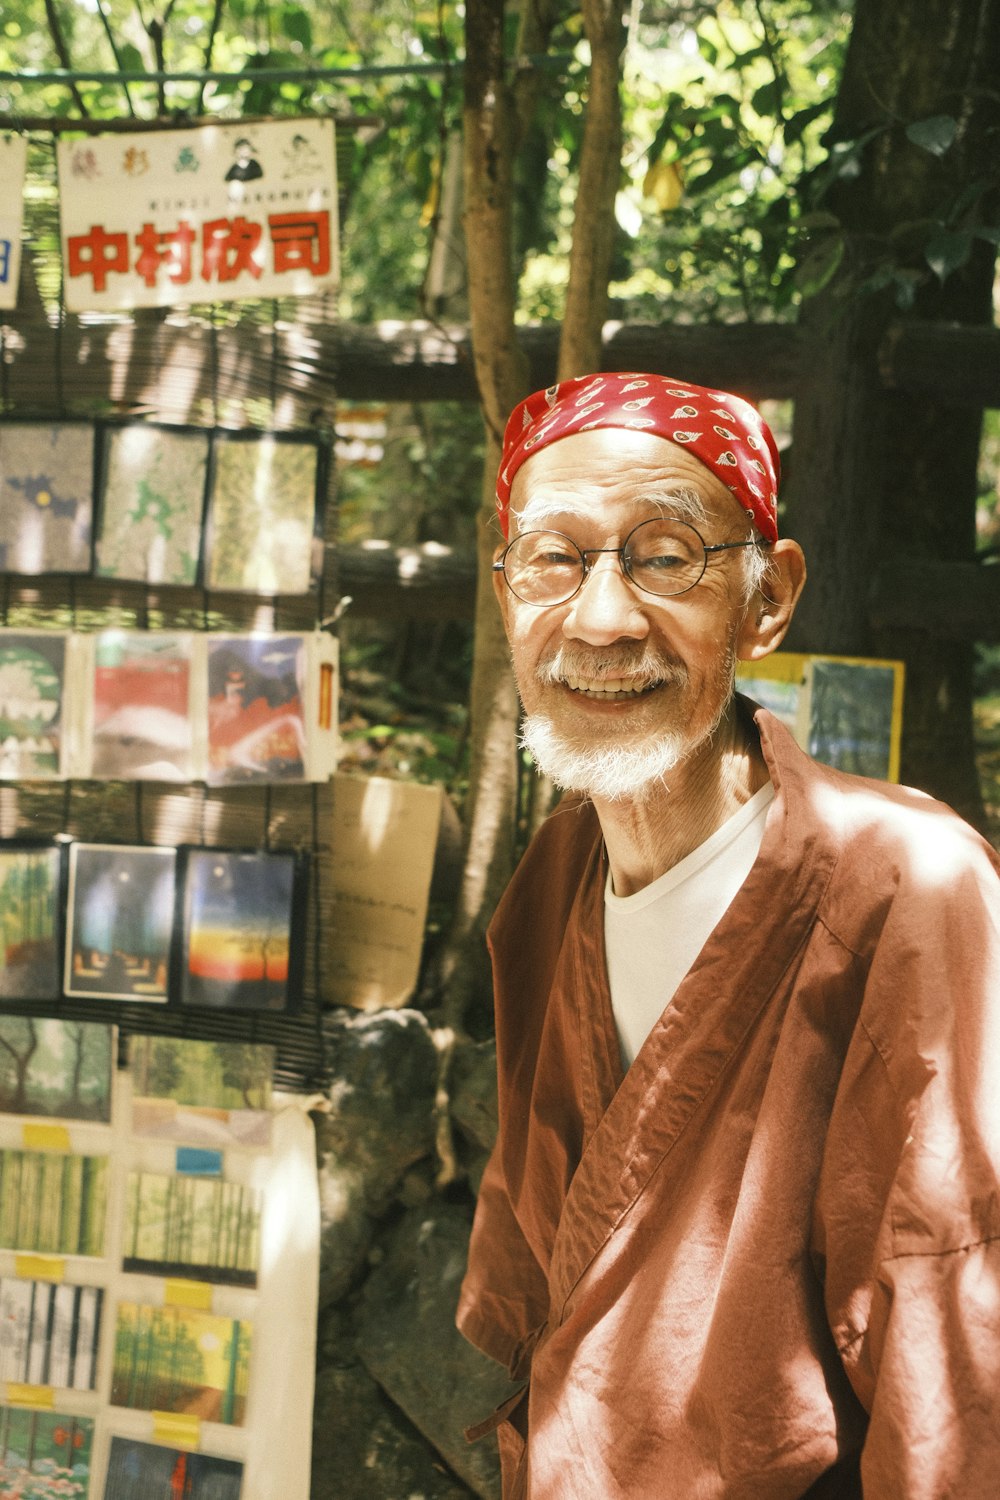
(379, 1122)
(407, 1340)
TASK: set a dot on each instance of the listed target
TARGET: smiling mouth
(609, 689)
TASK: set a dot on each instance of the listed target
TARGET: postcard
(141, 706)
(180, 1359)
(32, 674)
(201, 1093)
(262, 515)
(51, 1333)
(58, 1068)
(152, 501)
(199, 1227)
(852, 720)
(237, 940)
(29, 922)
(52, 1203)
(120, 921)
(256, 714)
(46, 497)
(44, 1454)
(147, 1471)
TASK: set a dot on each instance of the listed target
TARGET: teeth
(608, 685)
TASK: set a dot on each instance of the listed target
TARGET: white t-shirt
(652, 938)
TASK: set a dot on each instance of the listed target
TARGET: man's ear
(770, 611)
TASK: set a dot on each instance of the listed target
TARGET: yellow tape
(177, 1293)
(178, 1428)
(40, 1267)
(39, 1137)
(42, 1396)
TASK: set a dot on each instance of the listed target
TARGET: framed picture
(152, 501)
(32, 677)
(45, 1453)
(200, 1227)
(30, 906)
(120, 916)
(62, 1069)
(52, 1333)
(256, 712)
(180, 1359)
(201, 1093)
(145, 1471)
(46, 497)
(142, 706)
(53, 1203)
(241, 946)
(264, 513)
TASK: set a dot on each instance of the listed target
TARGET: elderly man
(740, 1235)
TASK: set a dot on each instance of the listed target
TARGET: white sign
(13, 156)
(214, 214)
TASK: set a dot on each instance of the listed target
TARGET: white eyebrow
(680, 500)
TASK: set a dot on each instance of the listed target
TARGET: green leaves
(935, 134)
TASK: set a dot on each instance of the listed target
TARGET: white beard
(608, 772)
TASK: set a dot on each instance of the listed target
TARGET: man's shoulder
(552, 868)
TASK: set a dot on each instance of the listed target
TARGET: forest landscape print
(238, 911)
(29, 904)
(201, 1227)
(150, 1471)
(121, 914)
(53, 1067)
(44, 1455)
(203, 1093)
(180, 1359)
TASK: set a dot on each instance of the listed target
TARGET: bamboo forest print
(51, 1333)
(29, 905)
(262, 516)
(32, 671)
(179, 1359)
(120, 920)
(198, 1227)
(237, 929)
(55, 1067)
(44, 1455)
(151, 504)
(202, 1093)
(149, 1471)
(142, 713)
(53, 1203)
(46, 497)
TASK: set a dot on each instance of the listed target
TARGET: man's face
(619, 686)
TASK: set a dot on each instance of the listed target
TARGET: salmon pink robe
(768, 1256)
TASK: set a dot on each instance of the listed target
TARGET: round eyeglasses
(663, 556)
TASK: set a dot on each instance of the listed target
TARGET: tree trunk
(882, 476)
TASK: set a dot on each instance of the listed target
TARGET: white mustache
(614, 664)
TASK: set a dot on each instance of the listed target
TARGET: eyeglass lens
(663, 556)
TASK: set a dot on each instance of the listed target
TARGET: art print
(237, 939)
(120, 921)
(199, 1227)
(142, 720)
(851, 716)
(256, 714)
(201, 1093)
(32, 673)
(150, 1471)
(58, 1068)
(51, 1333)
(52, 1203)
(44, 1455)
(29, 923)
(262, 515)
(46, 497)
(178, 1359)
(152, 499)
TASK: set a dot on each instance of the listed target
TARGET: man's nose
(607, 607)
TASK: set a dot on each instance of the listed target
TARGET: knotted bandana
(726, 433)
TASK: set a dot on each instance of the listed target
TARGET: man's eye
(662, 561)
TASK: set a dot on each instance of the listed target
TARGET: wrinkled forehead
(609, 477)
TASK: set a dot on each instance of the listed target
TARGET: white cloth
(653, 937)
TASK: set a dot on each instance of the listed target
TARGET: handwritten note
(384, 838)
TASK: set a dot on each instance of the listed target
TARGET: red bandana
(726, 433)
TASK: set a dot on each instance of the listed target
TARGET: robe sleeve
(909, 1202)
(504, 1298)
